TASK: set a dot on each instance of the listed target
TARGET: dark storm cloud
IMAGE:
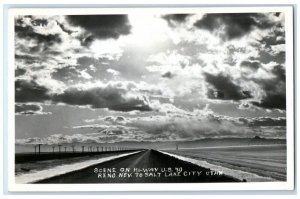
(110, 96)
(85, 62)
(263, 121)
(275, 91)
(279, 71)
(175, 18)
(63, 28)
(66, 73)
(28, 33)
(277, 36)
(42, 43)
(29, 109)
(267, 121)
(107, 97)
(272, 101)
(94, 67)
(28, 59)
(86, 40)
(39, 22)
(19, 72)
(168, 75)
(267, 57)
(30, 91)
(235, 25)
(224, 88)
(102, 26)
(253, 65)
(267, 53)
(277, 14)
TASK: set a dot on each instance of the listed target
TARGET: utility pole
(35, 149)
(73, 148)
(39, 148)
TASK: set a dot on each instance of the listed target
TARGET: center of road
(149, 166)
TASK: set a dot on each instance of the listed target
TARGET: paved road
(148, 166)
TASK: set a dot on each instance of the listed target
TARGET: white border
(289, 185)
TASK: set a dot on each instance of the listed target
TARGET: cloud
(109, 135)
(66, 74)
(29, 141)
(110, 96)
(272, 101)
(39, 22)
(30, 91)
(42, 41)
(54, 139)
(224, 88)
(170, 60)
(63, 28)
(123, 96)
(267, 56)
(198, 124)
(109, 120)
(102, 26)
(86, 40)
(274, 90)
(173, 125)
(28, 59)
(117, 119)
(43, 49)
(29, 109)
(84, 74)
(234, 25)
(168, 75)
(173, 19)
(276, 37)
(267, 121)
(20, 72)
(272, 45)
(92, 126)
(112, 71)
(279, 72)
(86, 61)
(252, 65)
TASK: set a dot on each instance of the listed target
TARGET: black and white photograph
(149, 96)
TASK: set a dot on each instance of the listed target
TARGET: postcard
(151, 99)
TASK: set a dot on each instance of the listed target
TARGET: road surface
(149, 166)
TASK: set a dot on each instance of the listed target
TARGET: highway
(148, 166)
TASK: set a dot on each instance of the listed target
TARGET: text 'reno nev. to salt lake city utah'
(150, 98)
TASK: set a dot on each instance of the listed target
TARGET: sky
(149, 77)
